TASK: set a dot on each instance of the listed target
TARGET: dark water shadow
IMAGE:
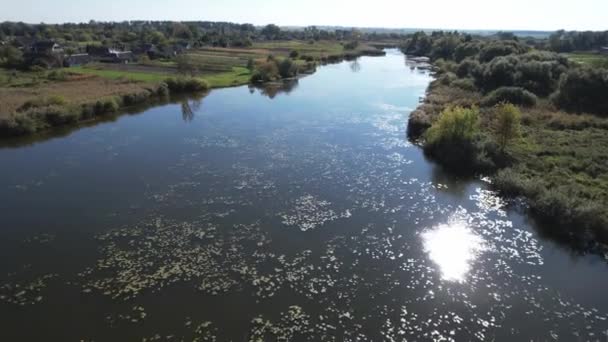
(190, 103)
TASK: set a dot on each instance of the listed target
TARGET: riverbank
(34, 101)
(558, 162)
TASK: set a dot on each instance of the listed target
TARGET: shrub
(508, 122)
(294, 54)
(251, 64)
(468, 68)
(351, 45)
(186, 84)
(110, 105)
(465, 84)
(454, 125)
(54, 100)
(500, 72)
(514, 95)
(500, 48)
(447, 78)
(57, 116)
(287, 68)
(57, 75)
(583, 90)
(266, 72)
(162, 90)
(464, 50)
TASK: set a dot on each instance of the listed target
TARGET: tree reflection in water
(273, 89)
(355, 66)
(189, 107)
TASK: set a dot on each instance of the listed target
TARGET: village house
(109, 55)
(46, 48)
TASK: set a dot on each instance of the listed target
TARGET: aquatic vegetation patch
(24, 292)
(309, 213)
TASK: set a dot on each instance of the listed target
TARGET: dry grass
(75, 91)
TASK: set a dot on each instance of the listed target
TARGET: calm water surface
(298, 214)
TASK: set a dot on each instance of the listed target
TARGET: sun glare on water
(453, 247)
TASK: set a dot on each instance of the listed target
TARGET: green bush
(186, 84)
(54, 100)
(464, 84)
(514, 95)
(266, 72)
(447, 78)
(500, 48)
(507, 125)
(162, 90)
(111, 105)
(583, 90)
(456, 124)
(468, 68)
(57, 75)
(287, 68)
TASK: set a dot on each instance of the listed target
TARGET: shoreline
(587, 234)
(72, 116)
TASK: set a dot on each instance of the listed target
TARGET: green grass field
(119, 74)
(236, 76)
(593, 59)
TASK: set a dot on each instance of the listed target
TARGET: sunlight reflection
(453, 247)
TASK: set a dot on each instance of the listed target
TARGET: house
(77, 60)
(45, 54)
(46, 48)
(109, 55)
(181, 47)
(120, 57)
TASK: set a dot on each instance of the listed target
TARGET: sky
(546, 15)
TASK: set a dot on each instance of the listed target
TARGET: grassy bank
(559, 162)
(535, 121)
(33, 102)
(37, 100)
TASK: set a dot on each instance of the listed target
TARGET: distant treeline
(508, 69)
(562, 41)
(203, 33)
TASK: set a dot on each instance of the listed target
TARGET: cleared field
(221, 67)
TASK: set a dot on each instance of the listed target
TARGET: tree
(251, 64)
(186, 64)
(271, 31)
(10, 56)
(583, 90)
(455, 125)
(508, 124)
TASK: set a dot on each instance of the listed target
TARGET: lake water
(299, 214)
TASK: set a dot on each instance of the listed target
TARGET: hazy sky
(449, 14)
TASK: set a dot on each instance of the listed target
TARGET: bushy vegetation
(514, 95)
(186, 84)
(526, 136)
(274, 69)
(455, 126)
(46, 112)
(453, 138)
(507, 124)
(584, 90)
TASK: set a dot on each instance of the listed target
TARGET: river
(301, 213)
